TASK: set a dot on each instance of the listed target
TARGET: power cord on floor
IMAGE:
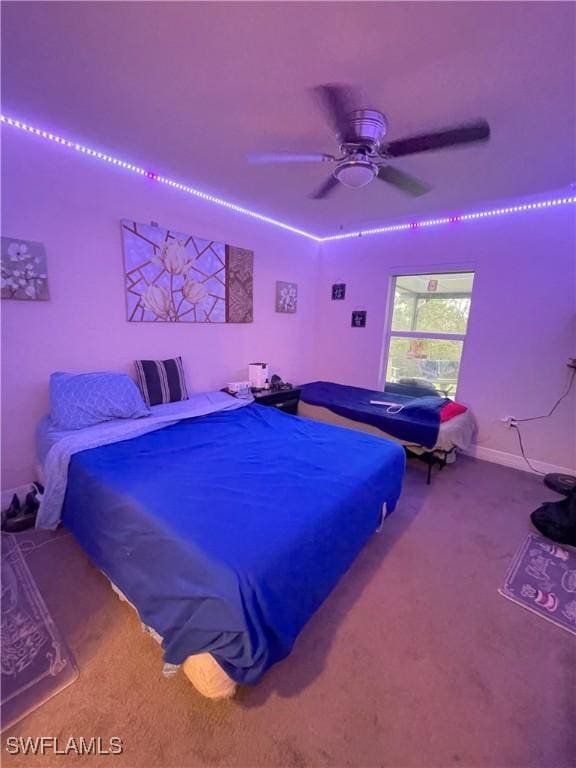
(515, 423)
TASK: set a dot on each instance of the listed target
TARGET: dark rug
(542, 578)
(36, 663)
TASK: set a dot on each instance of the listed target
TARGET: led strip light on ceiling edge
(260, 217)
(150, 175)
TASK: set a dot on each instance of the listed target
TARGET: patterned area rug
(542, 578)
(36, 663)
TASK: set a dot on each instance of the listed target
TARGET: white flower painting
(286, 297)
(173, 277)
(23, 265)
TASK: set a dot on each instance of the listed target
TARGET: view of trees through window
(437, 304)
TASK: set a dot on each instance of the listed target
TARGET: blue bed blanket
(418, 422)
(227, 531)
(56, 447)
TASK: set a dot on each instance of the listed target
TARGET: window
(428, 328)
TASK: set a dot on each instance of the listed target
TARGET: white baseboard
(515, 461)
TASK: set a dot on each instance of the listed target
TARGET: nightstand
(284, 399)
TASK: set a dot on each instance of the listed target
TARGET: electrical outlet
(571, 362)
(508, 421)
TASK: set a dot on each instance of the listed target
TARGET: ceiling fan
(364, 154)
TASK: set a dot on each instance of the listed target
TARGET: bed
(224, 524)
(430, 427)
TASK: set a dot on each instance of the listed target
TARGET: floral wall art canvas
(174, 277)
(24, 273)
(286, 297)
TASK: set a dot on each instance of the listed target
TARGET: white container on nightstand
(258, 373)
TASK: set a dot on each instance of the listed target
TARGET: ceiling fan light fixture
(356, 173)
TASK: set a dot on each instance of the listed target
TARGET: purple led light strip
(150, 175)
(456, 218)
(253, 214)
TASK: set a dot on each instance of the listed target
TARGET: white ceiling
(189, 88)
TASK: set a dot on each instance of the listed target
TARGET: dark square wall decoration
(338, 291)
(359, 318)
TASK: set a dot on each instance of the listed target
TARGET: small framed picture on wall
(338, 291)
(286, 297)
(359, 318)
(24, 270)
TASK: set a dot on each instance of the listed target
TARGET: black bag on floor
(557, 520)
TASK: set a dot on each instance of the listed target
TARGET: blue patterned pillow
(83, 399)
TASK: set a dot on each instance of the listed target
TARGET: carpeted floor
(414, 660)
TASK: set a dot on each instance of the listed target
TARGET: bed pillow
(79, 400)
(411, 388)
(450, 410)
(161, 381)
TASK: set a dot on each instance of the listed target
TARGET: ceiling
(189, 88)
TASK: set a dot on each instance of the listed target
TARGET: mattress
(455, 433)
(227, 531)
(201, 669)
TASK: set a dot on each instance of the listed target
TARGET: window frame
(424, 269)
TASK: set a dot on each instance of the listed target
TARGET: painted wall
(74, 204)
(522, 325)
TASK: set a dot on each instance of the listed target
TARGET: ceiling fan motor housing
(367, 128)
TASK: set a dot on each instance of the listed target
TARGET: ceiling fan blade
(448, 137)
(409, 184)
(336, 101)
(259, 158)
(325, 189)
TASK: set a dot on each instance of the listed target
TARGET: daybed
(428, 426)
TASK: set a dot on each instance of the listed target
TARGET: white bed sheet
(55, 463)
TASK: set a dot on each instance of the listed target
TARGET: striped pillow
(161, 381)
